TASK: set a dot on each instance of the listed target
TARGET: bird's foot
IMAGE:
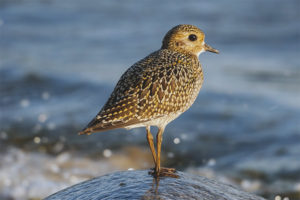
(164, 172)
(168, 170)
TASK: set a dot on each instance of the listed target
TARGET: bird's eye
(192, 37)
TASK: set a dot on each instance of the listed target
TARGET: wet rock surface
(141, 185)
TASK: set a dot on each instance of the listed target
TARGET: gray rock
(139, 185)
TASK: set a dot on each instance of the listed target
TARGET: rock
(140, 185)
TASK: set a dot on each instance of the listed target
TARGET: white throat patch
(200, 52)
(203, 43)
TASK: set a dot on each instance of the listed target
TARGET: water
(59, 61)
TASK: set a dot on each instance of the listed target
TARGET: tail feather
(85, 131)
(90, 130)
(98, 127)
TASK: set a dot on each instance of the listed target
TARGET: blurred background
(60, 60)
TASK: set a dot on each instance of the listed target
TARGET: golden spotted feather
(165, 83)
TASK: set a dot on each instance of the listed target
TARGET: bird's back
(164, 83)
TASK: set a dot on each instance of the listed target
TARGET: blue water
(59, 61)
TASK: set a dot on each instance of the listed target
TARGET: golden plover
(157, 89)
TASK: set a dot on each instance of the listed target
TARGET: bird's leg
(162, 171)
(151, 144)
(167, 170)
(158, 171)
(158, 148)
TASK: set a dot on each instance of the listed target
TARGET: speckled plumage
(158, 88)
(163, 83)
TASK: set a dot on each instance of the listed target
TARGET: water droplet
(176, 140)
(42, 118)
(251, 185)
(24, 103)
(107, 153)
(277, 197)
(211, 162)
(37, 140)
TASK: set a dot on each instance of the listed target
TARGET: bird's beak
(209, 48)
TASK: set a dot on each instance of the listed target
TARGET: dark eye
(192, 37)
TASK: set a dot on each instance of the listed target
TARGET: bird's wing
(121, 109)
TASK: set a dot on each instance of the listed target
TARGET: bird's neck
(183, 52)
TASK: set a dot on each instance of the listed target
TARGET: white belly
(158, 122)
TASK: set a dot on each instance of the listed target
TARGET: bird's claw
(164, 172)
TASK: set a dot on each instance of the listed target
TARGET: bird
(156, 90)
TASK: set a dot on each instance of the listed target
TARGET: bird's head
(186, 39)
